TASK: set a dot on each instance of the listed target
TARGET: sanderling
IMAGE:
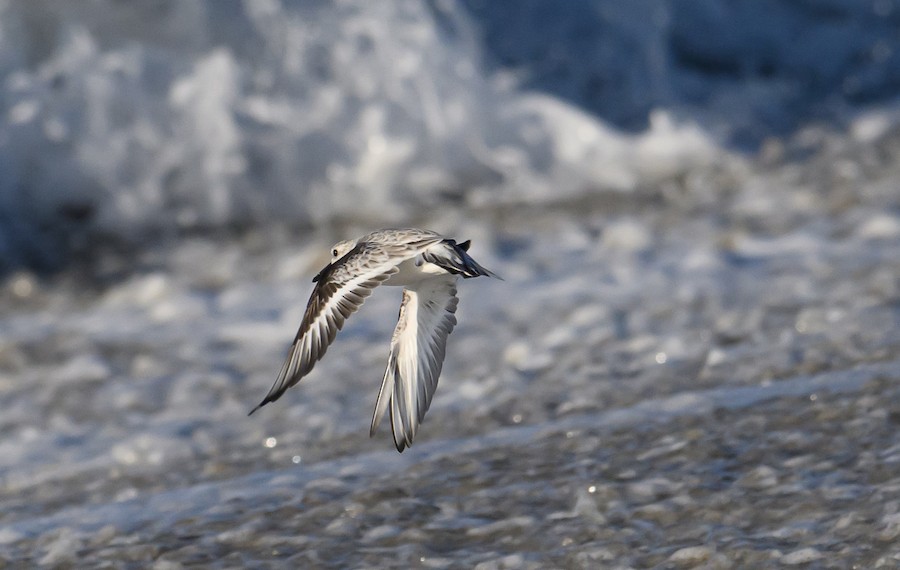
(427, 265)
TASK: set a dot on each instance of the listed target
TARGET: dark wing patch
(453, 257)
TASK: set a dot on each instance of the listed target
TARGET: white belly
(410, 273)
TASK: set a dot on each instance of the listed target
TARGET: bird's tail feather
(455, 259)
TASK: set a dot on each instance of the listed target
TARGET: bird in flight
(427, 265)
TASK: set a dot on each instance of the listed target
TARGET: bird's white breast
(414, 271)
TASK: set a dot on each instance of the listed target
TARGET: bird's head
(341, 248)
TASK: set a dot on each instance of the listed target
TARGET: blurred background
(122, 120)
(695, 206)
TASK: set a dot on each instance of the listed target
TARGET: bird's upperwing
(340, 290)
(427, 317)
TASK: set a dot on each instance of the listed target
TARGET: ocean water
(691, 362)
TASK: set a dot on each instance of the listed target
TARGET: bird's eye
(334, 252)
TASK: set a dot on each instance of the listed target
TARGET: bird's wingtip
(494, 275)
(258, 406)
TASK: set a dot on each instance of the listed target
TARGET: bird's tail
(454, 258)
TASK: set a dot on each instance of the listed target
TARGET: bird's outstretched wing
(340, 290)
(427, 317)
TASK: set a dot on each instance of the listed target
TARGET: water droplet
(661, 357)
(23, 286)
(295, 459)
(517, 418)
(592, 489)
(271, 442)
